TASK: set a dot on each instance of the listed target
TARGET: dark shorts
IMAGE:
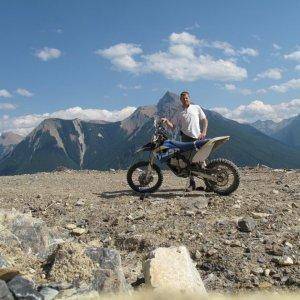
(186, 138)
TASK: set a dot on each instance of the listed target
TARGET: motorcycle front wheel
(226, 174)
(142, 181)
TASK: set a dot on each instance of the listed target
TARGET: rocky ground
(246, 241)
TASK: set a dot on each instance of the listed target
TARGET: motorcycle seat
(186, 146)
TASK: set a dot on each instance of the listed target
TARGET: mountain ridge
(78, 144)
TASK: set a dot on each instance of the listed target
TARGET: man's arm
(168, 123)
(204, 125)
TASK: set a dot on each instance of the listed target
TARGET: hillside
(287, 131)
(106, 213)
(290, 134)
(79, 144)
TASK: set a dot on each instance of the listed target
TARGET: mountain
(8, 140)
(290, 133)
(79, 144)
(287, 131)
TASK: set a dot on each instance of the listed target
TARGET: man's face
(185, 100)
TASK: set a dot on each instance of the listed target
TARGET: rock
(257, 271)
(267, 272)
(79, 231)
(286, 261)
(265, 285)
(8, 274)
(109, 277)
(258, 215)
(30, 234)
(49, 293)
(289, 245)
(3, 262)
(172, 269)
(5, 293)
(274, 250)
(138, 215)
(80, 202)
(112, 170)
(71, 226)
(190, 213)
(246, 224)
(24, 289)
(275, 192)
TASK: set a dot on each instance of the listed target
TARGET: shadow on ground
(163, 193)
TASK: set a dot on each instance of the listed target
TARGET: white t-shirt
(188, 120)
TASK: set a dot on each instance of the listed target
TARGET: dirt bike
(184, 160)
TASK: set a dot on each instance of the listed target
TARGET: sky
(102, 59)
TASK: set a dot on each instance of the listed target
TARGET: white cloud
(24, 92)
(7, 106)
(261, 91)
(293, 84)
(190, 69)
(194, 26)
(121, 56)
(5, 94)
(229, 50)
(258, 110)
(230, 87)
(184, 38)
(179, 62)
(272, 73)
(26, 123)
(225, 47)
(276, 46)
(48, 53)
(248, 51)
(234, 88)
(293, 56)
(124, 87)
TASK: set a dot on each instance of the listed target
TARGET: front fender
(148, 147)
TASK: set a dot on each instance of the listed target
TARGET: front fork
(151, 162)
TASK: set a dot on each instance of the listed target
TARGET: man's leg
(192, 185)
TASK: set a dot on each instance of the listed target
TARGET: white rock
(80, 202)
(172, 269)
(286, 261)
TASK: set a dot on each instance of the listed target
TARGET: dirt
(112, 215)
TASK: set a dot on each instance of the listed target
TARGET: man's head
(185, 99)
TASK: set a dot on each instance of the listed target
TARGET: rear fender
(203, 153)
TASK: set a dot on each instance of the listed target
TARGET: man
(192, 123)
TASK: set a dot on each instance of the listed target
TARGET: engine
(178, 165)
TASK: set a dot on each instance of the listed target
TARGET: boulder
(246, 224)
(24, 289)
(109, 277)
(3, 262)
(5, 293)
(172, 269)
(30, 234)
(49, 293)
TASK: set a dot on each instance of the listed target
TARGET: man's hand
(165, 121)
(202, 136)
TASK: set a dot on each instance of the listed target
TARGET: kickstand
(144, 195)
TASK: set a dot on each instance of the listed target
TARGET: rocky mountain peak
(10, 138)
(168, 105)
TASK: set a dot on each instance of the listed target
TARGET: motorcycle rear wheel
(143, 186)
(222, 168)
